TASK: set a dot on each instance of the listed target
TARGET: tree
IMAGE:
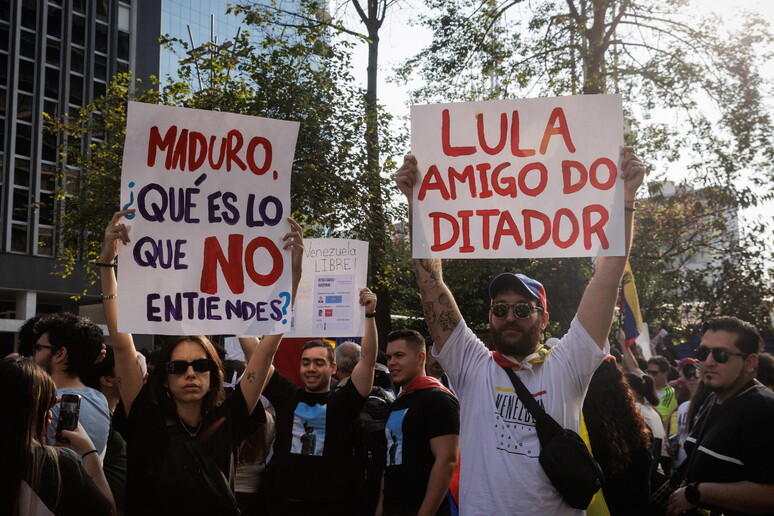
(661, 58)
(292, 73)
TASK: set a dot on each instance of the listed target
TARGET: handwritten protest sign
(518, 178)
(212, 196)
(335, 269)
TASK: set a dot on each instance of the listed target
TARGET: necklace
(185, 427)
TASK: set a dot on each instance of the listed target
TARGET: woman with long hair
(620, 441)
(182, 436)
(35, 477)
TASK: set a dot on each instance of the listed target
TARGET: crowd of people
(429, 427)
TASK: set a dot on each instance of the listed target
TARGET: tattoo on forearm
(429, 308)
(444, 300)
(448, 320)
(251, 376)
(431, 267)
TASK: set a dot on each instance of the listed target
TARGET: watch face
(692, 493)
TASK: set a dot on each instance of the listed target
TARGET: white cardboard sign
(532, 178)
(212, 195)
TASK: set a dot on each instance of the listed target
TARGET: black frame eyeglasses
(520, 310)
(721, 355)
(38, 347)
(200, 365)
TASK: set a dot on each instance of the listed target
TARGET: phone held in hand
(69, 408)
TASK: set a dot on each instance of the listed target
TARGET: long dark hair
(616, 428)
(158, 377)
(29, 393)
(643, 386)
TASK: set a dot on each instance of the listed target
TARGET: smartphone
(69, 408)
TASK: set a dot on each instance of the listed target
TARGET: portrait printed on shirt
(308, 429)
(393, 430)
(514, 425)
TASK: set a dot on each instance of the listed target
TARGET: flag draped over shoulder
(630, 306)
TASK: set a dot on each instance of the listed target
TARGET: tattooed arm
(259, 369)
(441, 312)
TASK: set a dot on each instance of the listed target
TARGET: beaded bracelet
(88, 452)
(100, 264)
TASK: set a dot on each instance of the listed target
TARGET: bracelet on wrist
(101, 264)
(88, 453)
(109, 296)
(371, 315)
(626, 208)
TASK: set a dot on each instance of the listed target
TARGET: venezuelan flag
(630, 306)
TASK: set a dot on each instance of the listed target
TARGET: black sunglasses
(201, 365)
(520, 310)
(720, 355)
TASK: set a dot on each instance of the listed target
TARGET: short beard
(524, 345)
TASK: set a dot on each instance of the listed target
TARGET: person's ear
(751, 363)
(106, 381)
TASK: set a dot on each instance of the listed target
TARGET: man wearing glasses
(500, 472)
(658, 367)
(67, 348)
(730, 449)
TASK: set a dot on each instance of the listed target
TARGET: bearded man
(499, 447)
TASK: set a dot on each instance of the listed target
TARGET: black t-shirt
(415, 418)
(79, 495)
(313, 447)
(737, 444)
(147, 439)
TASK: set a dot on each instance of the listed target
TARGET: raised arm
(128, 375)
(441, 312)
(259, 368)
(363, 373)
(596, 308)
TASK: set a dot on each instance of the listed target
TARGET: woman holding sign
(182, 437)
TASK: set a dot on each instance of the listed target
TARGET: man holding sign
(500, 472)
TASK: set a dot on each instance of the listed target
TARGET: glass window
(78, 36)
(24, 107)
(26, 75)
(2, 103)
(46, 208)
(19, 238)
(4, 35)
(102, 10)
(47, 177)
(52, 51)
(48, 152)
(122, 67)
(71, 181)
(24, 139)
(76, 90)
(79, 6)
(123, 46)
(5, 13)
(100, 67)
(3, 69)
(27, 44)
(21, 172)
(54, 21)
(29, 14)
(101, 38)
(76, 59)
(51, 88)
(124, 16)
(21, 204)
(46, 241)
(51, 107)
(99, 89)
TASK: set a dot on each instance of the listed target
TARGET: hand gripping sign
(532, 178)
(212, 195)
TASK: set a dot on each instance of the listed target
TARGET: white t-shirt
(499, 447)
(656, 425)
(682, 429)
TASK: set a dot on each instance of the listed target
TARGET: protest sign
(335, 269)
(529, 178)
(212, 195)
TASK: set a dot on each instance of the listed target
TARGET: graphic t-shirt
(499, 447)
(314, 438)
(415, 418)
(667, 404)
(737, 444)
(94, 416)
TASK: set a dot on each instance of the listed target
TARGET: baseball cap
(518, 283)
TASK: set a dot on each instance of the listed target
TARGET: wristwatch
(692, 493)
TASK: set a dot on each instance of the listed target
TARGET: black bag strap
(546, 425)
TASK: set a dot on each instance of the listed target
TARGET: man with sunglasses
(500, 471)
(67, 347)
(730, 448)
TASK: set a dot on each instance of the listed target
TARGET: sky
(400, 40)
